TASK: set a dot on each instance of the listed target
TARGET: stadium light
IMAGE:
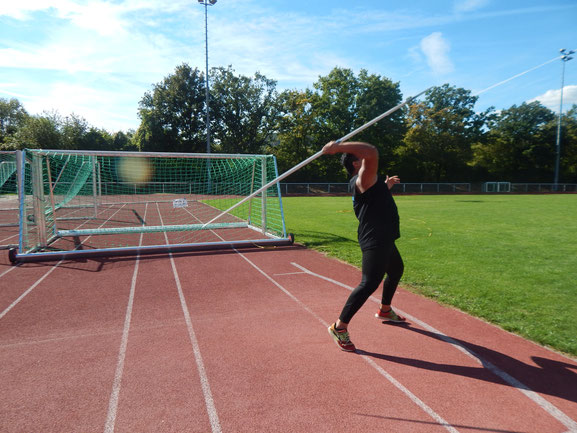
(565, 57)
(207, 3)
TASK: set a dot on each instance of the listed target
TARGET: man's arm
(367, 155)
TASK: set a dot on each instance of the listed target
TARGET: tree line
(438, 138)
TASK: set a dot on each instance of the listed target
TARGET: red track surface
(237, 342)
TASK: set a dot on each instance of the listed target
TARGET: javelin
(516, 76)
(316, 155)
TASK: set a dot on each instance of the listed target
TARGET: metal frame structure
(42, 252)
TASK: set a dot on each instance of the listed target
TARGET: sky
(96, 59)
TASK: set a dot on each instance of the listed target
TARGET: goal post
(8, 199)
(497, 187)
(90, 203)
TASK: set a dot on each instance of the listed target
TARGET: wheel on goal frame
(12, 256)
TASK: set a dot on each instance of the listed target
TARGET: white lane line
(536, 398)
(9, 237)
(289, 273)
(208, 399)
(33, 286)
(379, 369)
(9, 269)
(115, 393)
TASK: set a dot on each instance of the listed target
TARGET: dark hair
(347, 160)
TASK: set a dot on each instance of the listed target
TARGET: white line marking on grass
(208, 399)
(115, 393)
(536, 398)
(379, 369)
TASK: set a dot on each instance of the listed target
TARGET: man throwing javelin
(378, 229)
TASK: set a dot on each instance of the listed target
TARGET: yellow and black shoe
(341, 337)
(389, 316)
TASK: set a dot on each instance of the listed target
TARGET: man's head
(351, 163)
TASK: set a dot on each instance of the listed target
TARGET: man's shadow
(551, 377)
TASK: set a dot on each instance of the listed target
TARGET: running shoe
(342, 339)
(390, 316)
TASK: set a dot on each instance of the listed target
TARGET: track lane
(270, 363)
(269, 366)
(58, 351)
(467, 393)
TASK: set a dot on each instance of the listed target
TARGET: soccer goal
(497, 187)
(8, 200)
(76, 204)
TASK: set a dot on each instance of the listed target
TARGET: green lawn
(510, 259)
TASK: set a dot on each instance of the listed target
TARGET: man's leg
(374, 267)
(394, 269)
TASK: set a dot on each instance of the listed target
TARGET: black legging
(376, 263)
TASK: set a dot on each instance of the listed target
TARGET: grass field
(509, 259)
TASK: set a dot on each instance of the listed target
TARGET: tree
(334, 103)
(568, 164)
(12, 117)
(172, 114)
(73, 130)
(339, 103)
(295, 131)
(124, 141)
(440, 133)
(37, 132)
(375, 96)
(520, 145)
(98, 139)
(344, 102)
(243, 110)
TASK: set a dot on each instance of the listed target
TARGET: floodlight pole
(565, 57)
(206, 4)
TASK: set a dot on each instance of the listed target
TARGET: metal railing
(334, 188)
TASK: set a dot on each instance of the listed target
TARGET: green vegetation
(439, 137)
(509, 259)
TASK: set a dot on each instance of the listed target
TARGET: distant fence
(320, 188)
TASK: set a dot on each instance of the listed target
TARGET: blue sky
(97, 58)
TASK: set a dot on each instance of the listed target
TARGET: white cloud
(113, 107)
(120, 48)
(414, 53)
(5, 90)
(22, 9)
(436, 49)
(260, 43)
(461, 6)
(551, 98)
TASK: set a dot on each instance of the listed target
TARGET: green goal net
(75, 203)
(7, 172)
(8, 200)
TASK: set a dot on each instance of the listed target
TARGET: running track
(236, 341)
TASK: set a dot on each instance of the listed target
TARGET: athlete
(378, 229)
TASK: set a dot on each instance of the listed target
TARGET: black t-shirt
(377, 214)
